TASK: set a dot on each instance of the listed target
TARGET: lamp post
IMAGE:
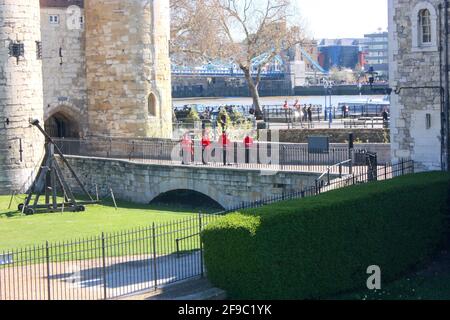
(328, 87)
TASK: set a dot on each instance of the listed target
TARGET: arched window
(152, 105)
(425, 26)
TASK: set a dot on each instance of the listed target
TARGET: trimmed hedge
(320, 246)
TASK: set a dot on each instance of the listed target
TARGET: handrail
(327, 172)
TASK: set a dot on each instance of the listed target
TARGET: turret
(128, 68)
(21, 94)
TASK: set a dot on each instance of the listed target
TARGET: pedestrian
(385, 115)
(305, 113)
(286, 110)
(310, 113)
(297, 110)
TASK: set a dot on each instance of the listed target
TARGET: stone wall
(141, 183)
(64, 79)
(128, 68)
(415, 72)
(20, 95)
(336, 135)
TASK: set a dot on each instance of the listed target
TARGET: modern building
(341, 53)
(376, 47)
(419, 102)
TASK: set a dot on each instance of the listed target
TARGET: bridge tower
(128, 68)
(21, 94)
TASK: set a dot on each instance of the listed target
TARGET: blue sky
(343, 18)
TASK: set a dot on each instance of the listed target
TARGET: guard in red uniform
(187, 149)
(225, 142)
(205, 145)
(248, 142)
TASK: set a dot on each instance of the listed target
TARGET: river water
(315, 100)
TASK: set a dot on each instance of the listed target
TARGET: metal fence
(357, 117)
(324, 184)
(105, 267)
(122, 263)
(261, 156)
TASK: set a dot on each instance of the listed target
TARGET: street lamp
(328, 87)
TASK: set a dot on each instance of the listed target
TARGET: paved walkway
(196, 289)
(85, 279)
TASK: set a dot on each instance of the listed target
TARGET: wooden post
(113, 198)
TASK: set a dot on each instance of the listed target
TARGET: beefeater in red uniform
(248, 143)
(206, 142)
(187, 148)
(225, 142)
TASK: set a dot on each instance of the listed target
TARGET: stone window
(152, 103)
(424, 27)
(53, 19)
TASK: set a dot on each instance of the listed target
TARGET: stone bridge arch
(205, 189)
(187, 197)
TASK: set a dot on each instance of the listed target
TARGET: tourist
(286, 109)
(310, 113)
(385, 116)
(297, 108)
(305, 113)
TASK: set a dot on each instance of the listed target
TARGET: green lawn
(18, 231)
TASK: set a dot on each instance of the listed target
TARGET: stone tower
(21, 96)
(128, 68)
(416, 70)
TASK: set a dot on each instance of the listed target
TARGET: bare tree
(342, 75)
(192, 30)
(238, 31)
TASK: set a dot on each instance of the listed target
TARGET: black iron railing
(270, 156)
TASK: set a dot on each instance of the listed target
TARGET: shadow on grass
(430, 281)
(109, 203)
